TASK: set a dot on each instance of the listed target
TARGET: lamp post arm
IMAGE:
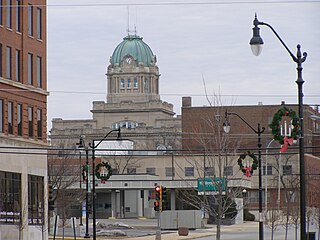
(298, 59)
(260, 130)
(283, 43)
(95, 146)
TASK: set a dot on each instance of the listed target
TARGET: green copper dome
(134, 46)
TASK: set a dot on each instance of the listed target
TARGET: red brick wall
(22, 92)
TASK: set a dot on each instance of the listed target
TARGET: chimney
(186, 101)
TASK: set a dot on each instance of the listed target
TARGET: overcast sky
(200, 39)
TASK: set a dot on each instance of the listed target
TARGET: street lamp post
(93, 147)
(259, 131)
(82, 145)
(256, 43)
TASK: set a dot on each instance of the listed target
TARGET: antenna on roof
(136, 23)
(128, 30)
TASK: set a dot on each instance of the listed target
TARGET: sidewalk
(210, 230)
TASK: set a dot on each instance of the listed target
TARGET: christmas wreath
(248, 168)
(276, 129)
(103, 177)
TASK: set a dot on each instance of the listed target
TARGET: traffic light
(157, 202)
(164, 196)
(50, 197)
(156, 206)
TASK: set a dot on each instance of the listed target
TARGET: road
(253, 233)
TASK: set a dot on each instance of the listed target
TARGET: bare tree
(64, 172)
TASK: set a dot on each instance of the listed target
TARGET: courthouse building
(23, 114)
(164, 149)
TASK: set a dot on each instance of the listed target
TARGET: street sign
(211, 184)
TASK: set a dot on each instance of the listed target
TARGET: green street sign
(211, 184)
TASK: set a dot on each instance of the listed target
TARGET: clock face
(129, 60)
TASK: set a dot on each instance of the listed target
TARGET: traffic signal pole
(158, 209)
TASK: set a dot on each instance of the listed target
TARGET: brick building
(23, 114)
(202, 125)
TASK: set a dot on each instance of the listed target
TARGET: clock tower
(133, 99)
(132, 74)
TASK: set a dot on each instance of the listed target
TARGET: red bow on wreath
(286, 143)
(248, 171)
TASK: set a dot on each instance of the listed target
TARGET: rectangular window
(8, 63)
(135, 83)
(10, 117)
(129, 83)
(131, 171)
(35, 200)
(18, 66)
(39, 123)
(30, 121)
(10, 197)
(228, 171)
(39, 23)
(268, 168)
(9, 14)
(1, 12)
(151, 171)
(122, 83)
(169, 172)
(189, 171)
(19, 119)
(0, 56)
(38, 70)
(1, 116)
(30, 68)
(30, 20)
(209, 171)
(287, 170)
(18, 16)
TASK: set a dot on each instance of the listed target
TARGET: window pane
(10, 197)
(39, 23)
(39, 123)
(30, 121)
(9, 11)
(0, 55)
(1, 12)
(39, 71)
(209, 171)
(135, 83)
(30, 69)
(151, 171)
(35, 199)
(189, 171)
(287, 169)
(169, 172)
(228, 171)
(10, 117)
(131, 170)
(18, 16)
(8, 63)
(30, 20)
(18, 78)
(1, 116)
(19, 112)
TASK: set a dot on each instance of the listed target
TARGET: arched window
(125, 124)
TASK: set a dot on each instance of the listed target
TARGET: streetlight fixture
(93, 147)
(256, 45)
(81, 145)
(259, 131)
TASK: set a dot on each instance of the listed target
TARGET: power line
(171, 3)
